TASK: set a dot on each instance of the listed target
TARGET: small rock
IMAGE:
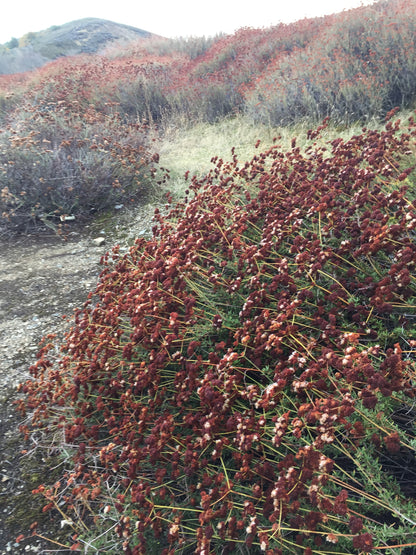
(99, 241)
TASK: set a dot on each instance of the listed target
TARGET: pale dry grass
(185, 147)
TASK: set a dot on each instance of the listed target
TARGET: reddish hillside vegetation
(246, 377)
(350, 67)
(244, 380)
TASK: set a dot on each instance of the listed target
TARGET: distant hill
(87, 35)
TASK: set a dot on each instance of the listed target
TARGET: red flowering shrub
(350, 66)
(237, 379)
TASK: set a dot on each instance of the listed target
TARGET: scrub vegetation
(243, 380)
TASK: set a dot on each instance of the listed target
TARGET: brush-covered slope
(87, 35)
(243, 382)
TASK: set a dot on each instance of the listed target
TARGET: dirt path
(41, 278)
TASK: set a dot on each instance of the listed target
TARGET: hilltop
(81, 36)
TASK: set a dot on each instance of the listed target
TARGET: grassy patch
(190, 148)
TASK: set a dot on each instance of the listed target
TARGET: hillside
(350, 67)
(241, 377)
(82, 36)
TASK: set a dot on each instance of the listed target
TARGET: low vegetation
(242, 381)
(63, 160)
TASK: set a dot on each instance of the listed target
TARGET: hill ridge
(82, 36)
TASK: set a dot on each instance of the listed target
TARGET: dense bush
(66, 147)
(209, 85)
(244, 381)
(350, 66)
(360, 64)
(59, 159)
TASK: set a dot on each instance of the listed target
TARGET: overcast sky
(169, 18)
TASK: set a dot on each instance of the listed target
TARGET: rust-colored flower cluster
(234, 379)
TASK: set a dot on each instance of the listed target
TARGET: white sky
(169, 18)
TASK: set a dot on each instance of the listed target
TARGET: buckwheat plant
(244, 381)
